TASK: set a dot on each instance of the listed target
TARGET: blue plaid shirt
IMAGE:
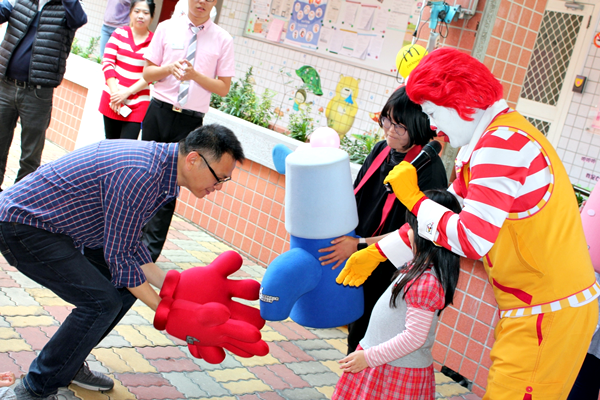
(101, 196)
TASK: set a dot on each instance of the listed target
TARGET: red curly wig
(449, 78)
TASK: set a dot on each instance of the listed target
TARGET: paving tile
(332, 333)
(5, 300)
(23, 358)
(8, 283)
(302, 394)
(302, 331)
(9, 364)
(132, 335)
(339, 344)
(200, 236)
(34, 336)
(295, 351)
(242, 387)
(189, 245)
(284, 330)
(218, 398)
(66, 394)
(145, 312)
(321, 379)
(206, 383)
(251, 362)
(20, 296)
(153, 353)
(229, 362)
(111, 360)
(272, 336)
(269, 377)
(321, 355)
(96, 365)
(312, 367)
(451, 389)
(288, 375)
(3, 322)
(326, 390)
(135, 360)
(154, 336)
(174, 365)
(8, 333)
(156, 392)
(179, 256)
(113, 340)
(184, 384)
(235, 374)
(312, 344)
(40, 292)
(441, 378)
(49, 330)
(22, 280)
(136, 379)
(60, 313)
(280, 354)
(270, 396)
(204, 257)
(7, 345)
(53, 301)
(85, 394)
(186, 266)
(24, 310)
(333, 366)
(166, 265)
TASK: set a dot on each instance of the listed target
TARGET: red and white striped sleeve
(508, 173)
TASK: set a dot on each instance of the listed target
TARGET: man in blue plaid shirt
(74, 226)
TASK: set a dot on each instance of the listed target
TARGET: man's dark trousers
(82, 279)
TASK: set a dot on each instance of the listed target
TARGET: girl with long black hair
(394, 358)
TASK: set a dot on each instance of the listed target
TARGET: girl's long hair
(445, 263)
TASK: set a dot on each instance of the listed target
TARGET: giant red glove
(197, 307)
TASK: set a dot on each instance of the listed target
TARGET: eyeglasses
(386, 124)
(212, 171)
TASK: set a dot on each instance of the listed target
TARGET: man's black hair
(213, 141)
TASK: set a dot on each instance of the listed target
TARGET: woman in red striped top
(126, 95)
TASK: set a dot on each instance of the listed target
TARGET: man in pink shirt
(184, 80)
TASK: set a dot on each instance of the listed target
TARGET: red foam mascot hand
(197, 307)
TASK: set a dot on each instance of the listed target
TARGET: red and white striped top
(510, 178)
(124, 61)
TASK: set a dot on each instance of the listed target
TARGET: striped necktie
(184, 86)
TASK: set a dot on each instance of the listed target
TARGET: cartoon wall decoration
(299, 99)
(319, 206)
(342, 108)
(311, 79)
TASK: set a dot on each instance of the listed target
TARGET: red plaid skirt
(387, 382)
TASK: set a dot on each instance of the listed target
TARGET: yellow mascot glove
(360, 265)
(405, 184)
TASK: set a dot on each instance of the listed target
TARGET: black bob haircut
(401, 110)
(213, 141)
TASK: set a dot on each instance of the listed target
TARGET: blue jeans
(34, 106)
(80, 278)
(105, 34)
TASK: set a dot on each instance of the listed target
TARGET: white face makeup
(448, 121)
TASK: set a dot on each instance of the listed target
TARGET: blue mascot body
(319, 206)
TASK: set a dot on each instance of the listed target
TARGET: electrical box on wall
(579, 84)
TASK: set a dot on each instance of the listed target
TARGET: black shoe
(92, 380)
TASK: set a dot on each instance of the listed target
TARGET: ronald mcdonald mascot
(519, 214)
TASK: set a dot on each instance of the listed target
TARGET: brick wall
(67, 110)
(248, 213)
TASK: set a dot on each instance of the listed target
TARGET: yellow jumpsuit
(543, 281)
